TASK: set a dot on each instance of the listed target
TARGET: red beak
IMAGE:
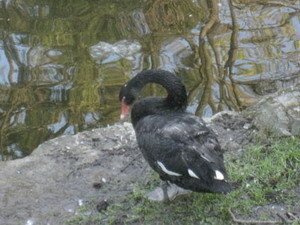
(125, 110)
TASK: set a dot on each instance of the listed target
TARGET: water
(62, 63)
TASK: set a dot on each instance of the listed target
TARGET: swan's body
(176, 144)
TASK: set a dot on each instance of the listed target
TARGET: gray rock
(49, 186)
(279, 113)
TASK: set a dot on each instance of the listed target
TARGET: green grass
(262, 175)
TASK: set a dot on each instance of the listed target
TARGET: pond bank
(50, 185)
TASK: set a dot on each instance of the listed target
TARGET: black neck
(175, 101)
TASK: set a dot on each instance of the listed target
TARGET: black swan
(176, 144)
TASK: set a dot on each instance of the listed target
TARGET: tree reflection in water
(227, 53)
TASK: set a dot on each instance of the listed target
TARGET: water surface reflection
(62, 62)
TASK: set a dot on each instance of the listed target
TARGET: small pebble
(29, 222)
(97, 185)
(95, 139)
(247, 126)
(297, 109)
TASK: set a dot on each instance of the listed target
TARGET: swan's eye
(127, 98)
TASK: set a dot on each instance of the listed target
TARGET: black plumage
(176, 144)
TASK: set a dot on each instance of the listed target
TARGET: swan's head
(127, 97)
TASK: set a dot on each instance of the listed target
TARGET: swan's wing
(192, 132)
(181, 146)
